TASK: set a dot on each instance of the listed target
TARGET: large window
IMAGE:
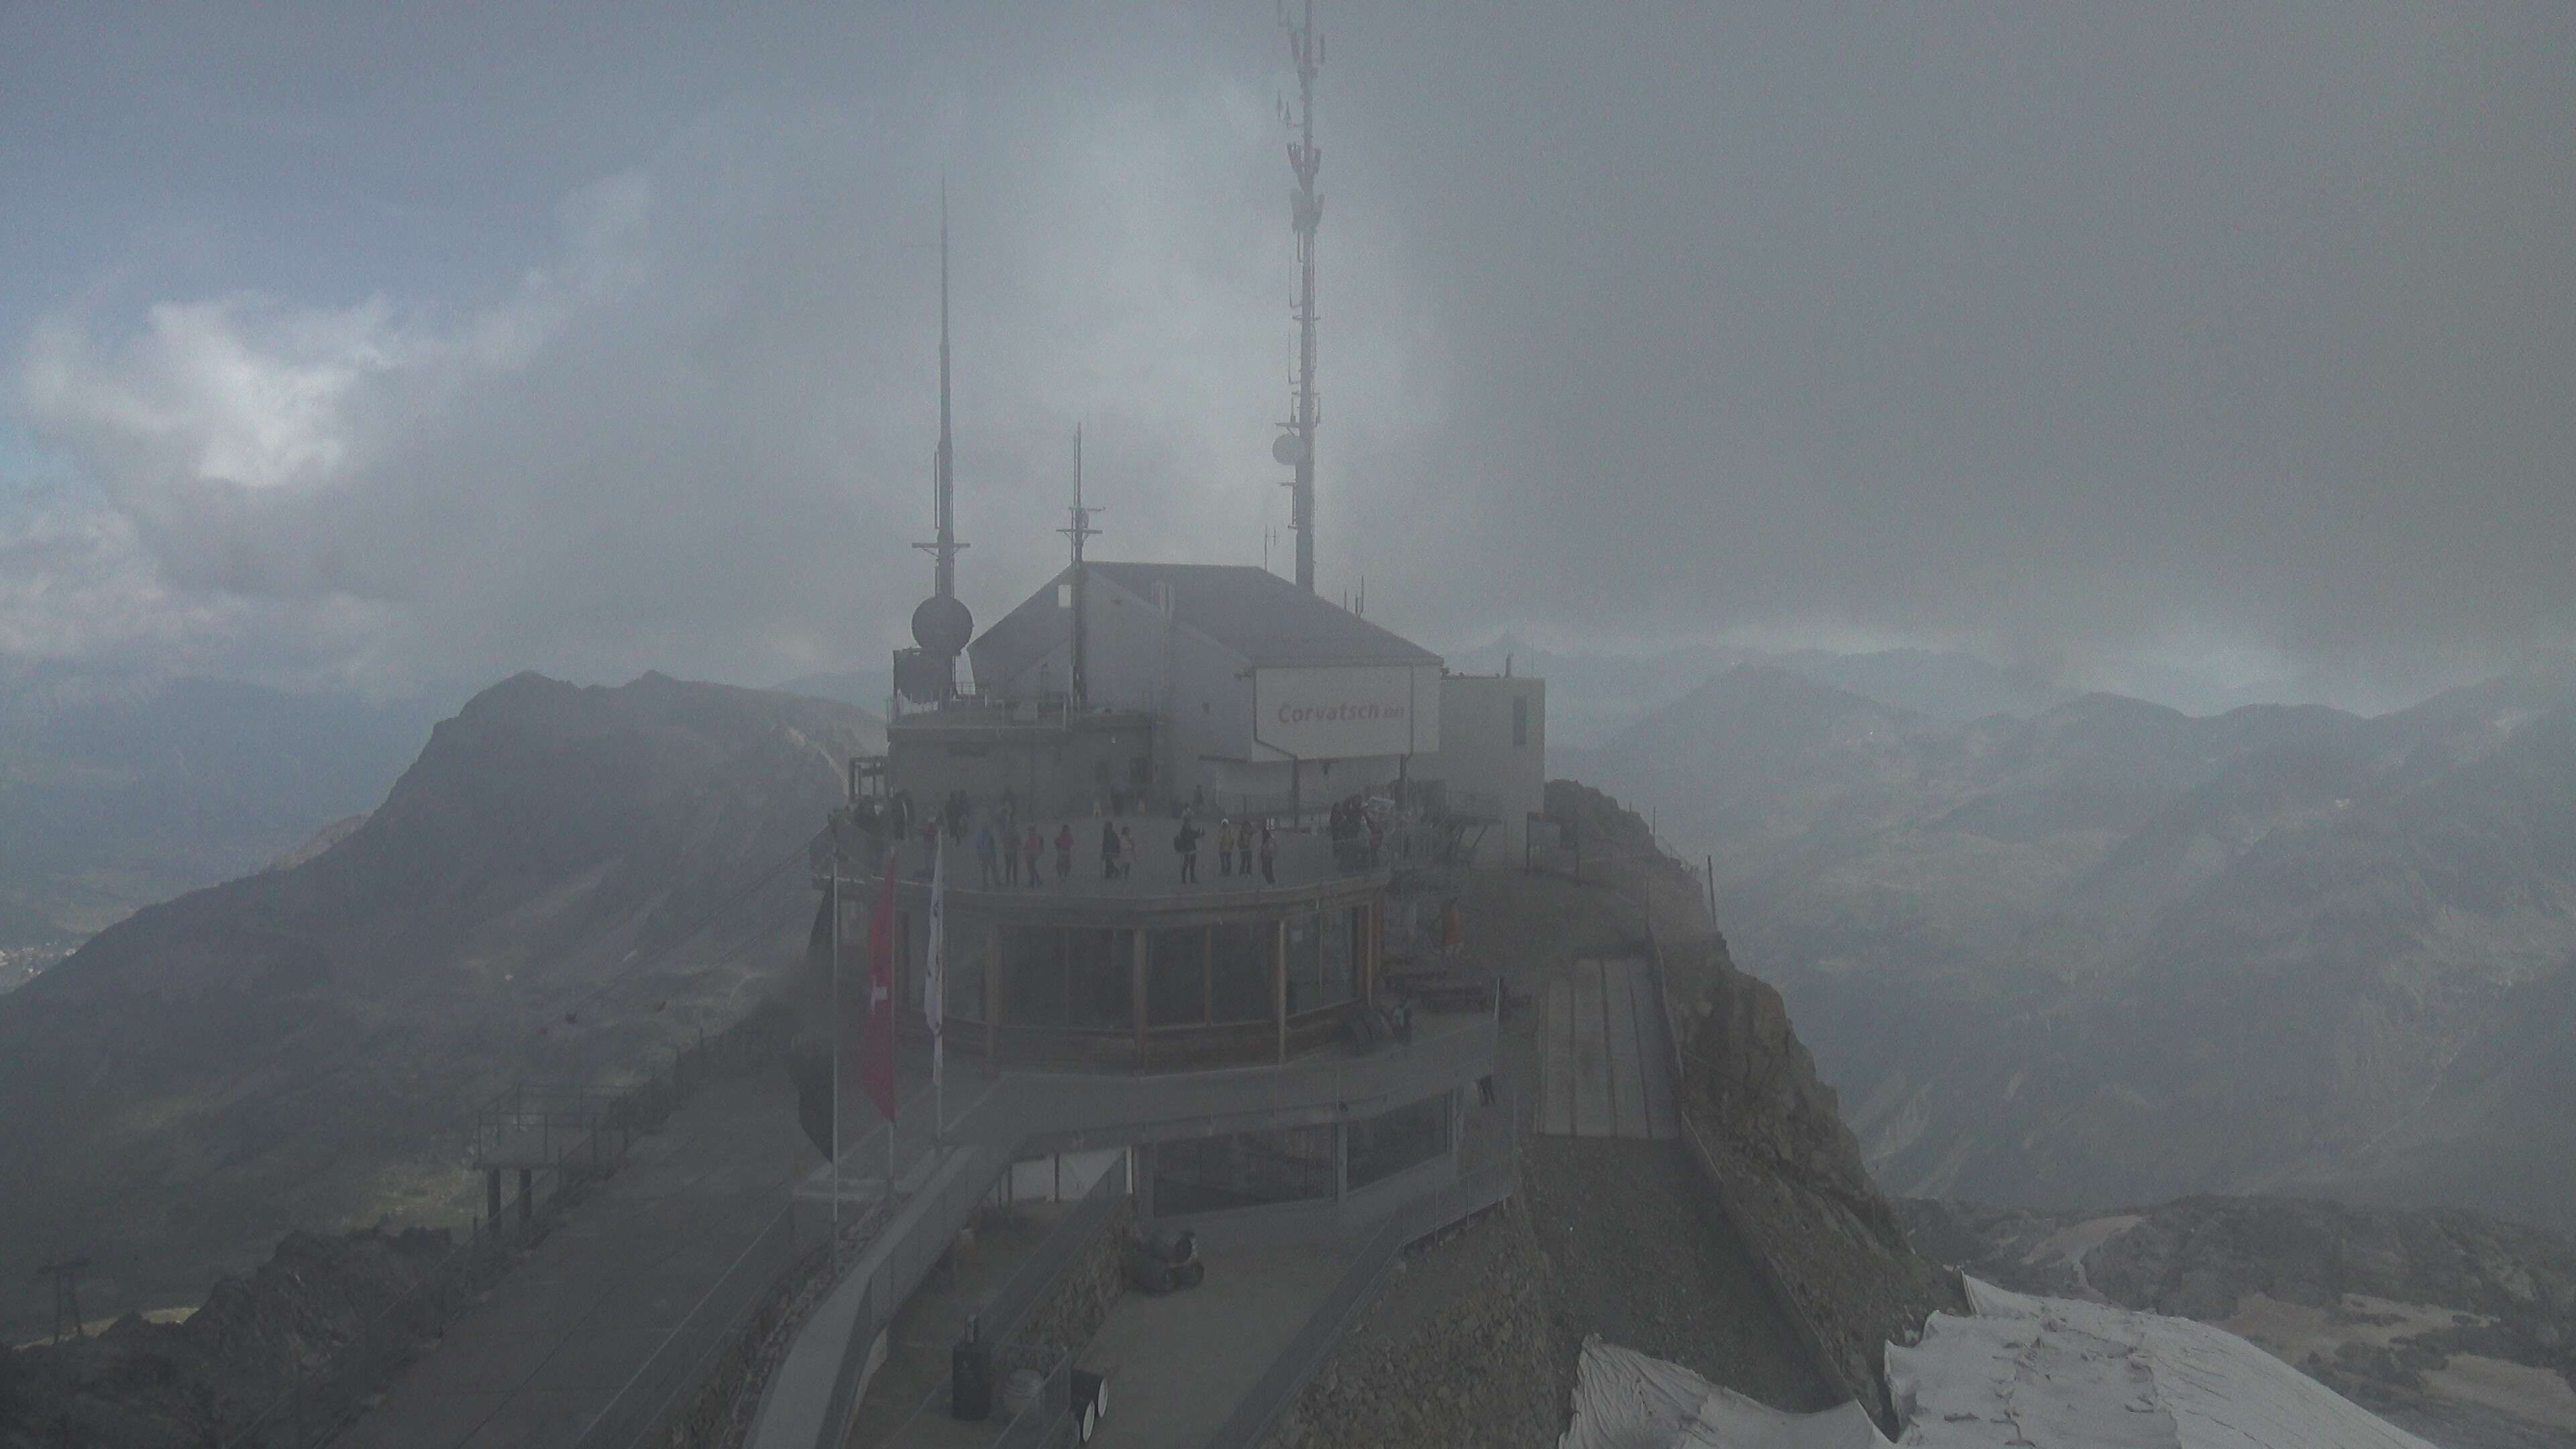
(1322, 956)
(1390, 1142)
(1341, 953)
(1243, 1169)
(1176, 968)
(1077, 978)
(1239, 973)
(1100, 978)
(1033, 977)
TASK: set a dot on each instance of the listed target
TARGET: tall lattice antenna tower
(1296, 442)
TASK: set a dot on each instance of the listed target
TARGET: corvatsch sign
(1345, 712)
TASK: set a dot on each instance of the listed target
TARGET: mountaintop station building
(1291, 1039)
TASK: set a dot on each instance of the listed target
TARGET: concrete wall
(1483, 755)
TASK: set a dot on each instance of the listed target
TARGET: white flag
(934, 983)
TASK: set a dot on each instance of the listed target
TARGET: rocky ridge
(1768, 1131)
(567, 883)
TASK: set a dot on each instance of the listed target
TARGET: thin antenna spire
(943, 467)
(1077, 528)
(1306, 213)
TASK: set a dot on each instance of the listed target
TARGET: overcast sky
(410, 345)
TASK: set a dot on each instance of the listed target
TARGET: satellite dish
(942, 625)
(1288, 449)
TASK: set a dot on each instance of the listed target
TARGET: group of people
(1354, 821)
(1006, 852)
(1010, 853)
(1236, 845)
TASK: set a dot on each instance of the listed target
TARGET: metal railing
(690, 1352)
(1487, 1187)
(319, 1402)
(1011, 1304)
(896, 1260)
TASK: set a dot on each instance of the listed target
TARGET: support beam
(1279, 982)
(993, 1000)
(1136, 991)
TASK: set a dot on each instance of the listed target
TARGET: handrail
(1010, 1305)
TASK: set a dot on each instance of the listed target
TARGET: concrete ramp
(810, 1399)
(1602, 1065)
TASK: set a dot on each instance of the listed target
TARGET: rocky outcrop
(1772, 1140)
(1764, 1129)
(1455, 1353)
(1073, 1310)
(199, 1381)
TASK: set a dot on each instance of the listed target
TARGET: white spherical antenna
(1288, 449)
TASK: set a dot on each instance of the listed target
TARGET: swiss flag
(876, 1073)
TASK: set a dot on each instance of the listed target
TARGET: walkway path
(1603, 1070)
(570, 1323)
(1177, 1365)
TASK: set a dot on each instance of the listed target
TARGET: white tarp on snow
(2049, 1372)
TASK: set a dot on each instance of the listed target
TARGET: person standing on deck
(1186, 842)
(1126, 852)
(1064, 851)
(1224, 847)
(1033, 845)
(1108, 850)
(1009, 841)
(1269, 855)
(985, 847)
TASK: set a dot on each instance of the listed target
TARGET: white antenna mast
(1296, 445)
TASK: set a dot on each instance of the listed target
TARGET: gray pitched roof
(1254, 612)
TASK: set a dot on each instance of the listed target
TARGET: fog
(402, 348)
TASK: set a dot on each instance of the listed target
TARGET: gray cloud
(2148, 335)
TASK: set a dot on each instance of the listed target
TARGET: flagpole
(935, 961)
(893, 865)
(836, 1049)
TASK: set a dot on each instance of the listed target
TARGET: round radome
(942, 625)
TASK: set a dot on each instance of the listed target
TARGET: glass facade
(1084, 978)
(1323, 958)
(1243, 1169)
(1099, 978)
(1239, 972)
(1390, 1142)
(1066, 978)
(1176, 969)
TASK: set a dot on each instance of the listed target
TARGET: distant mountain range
(565, 882)
(116, 791)
(2112, 953)
(1592, 696)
